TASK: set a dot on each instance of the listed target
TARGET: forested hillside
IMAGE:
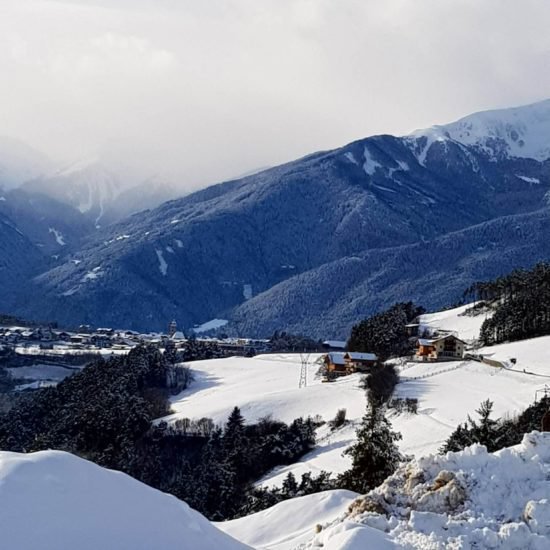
(106, 414)
(310, 246)
(521, 304)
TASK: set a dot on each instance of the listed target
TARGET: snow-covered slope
(268, 385)
(265, 385)
(289, 523)
(447, 393)
(88, 186)
(520, 132)
(53, 500)
(465, 326)
(470, 499)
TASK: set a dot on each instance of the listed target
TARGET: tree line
(385, 333)
(498, 433)
(106, 413)
(521, 304)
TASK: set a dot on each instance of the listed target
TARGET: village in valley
(46, 346)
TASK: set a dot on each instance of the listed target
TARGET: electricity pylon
(303, 370)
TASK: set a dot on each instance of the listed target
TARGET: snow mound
(469, 499)
(53, 500)
(289, 523)
(521, 132)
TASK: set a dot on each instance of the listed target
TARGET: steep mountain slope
(518, 132)
(87, 186)
(198, 257)
(54, 227)
(99, 193)
(327, 301)
(143, 196)
(53, 500)
(20, 260)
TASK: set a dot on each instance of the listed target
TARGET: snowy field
(447, 393)
(43, 372)
(446, 397)
(267, 385)
(466, 327)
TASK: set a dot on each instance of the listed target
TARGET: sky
(205, 90)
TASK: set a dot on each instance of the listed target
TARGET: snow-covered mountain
(520, 132)
(88, 186)
(99, 192)
(53, 500)
(55, 227)
(313, 245)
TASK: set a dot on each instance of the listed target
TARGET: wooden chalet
(441, 348)
(343, 363)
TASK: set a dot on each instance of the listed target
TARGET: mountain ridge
(204, 255)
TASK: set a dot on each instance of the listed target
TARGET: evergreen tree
(289, 486)
(458, 440)
(236, 446)
(385, 333)
(375, 455)
(486, 431)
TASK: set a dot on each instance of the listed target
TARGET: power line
(304, 357)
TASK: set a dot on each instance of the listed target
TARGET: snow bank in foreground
(470, 499)
(53, 500)
(289, 523)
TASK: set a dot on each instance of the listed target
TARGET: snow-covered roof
(445, 336)
(425, 342)
(431, 342)
(335, 343)
(356, 356)
(337, 358)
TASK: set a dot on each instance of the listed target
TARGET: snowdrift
(52, 500)
(469, 499)
(289, 523)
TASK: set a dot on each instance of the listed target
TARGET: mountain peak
(520, 132)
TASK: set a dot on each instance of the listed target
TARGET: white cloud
(206, 90)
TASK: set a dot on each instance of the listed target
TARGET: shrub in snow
(339, 419)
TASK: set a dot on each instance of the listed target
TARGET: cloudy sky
(201, 90)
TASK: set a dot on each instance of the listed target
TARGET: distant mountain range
(314, 245)
(98, 193)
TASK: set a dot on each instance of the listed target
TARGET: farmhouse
(342, 363)
(441, 348)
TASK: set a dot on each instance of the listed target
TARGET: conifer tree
(375, 455)
(290, 486)
(485, 431)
